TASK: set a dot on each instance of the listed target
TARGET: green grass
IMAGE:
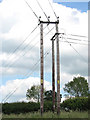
(63, 114)
(0, 116)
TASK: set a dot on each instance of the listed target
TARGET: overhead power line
(31, 9)
(78, 39)
(52, 9)
(12, 92)
(50, 30)
(8, 67)
(13, 63)
(78, 35)
(9, 57)
(74, 42)
(42, 10)
(76, 51)
(30, 33)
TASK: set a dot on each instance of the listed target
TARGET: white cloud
(17, 21)
(17, 88)
(21, 86)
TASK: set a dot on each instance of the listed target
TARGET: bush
(78, 103)
(48, 106)
(17, 108)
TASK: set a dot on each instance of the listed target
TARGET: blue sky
(71, 0)
(0, 0)
(81, 6)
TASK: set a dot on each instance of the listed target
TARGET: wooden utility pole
(58, 72)
(53, 76)
(41, 68)
(42, 65)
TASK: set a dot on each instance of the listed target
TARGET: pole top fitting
(39, 17)
(39, 20)
(58, 19)
(49, 18)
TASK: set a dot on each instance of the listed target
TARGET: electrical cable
(21, 44)
(74, 43)
(71, 39)
(42, 10)
(11, 93)
(31, 9)
(78, 39)
(76, 51)
(9, 65)
(30, 48)
(24, 47)
(32, 68)
(78, 35)
(15, 49)
(52, 9)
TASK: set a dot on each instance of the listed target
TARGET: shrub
(78, 103)
(17, 108)
(47, 106)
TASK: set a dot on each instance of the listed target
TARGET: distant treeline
(23, 107)
(80, 104)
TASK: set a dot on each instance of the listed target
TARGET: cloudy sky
(20, 53)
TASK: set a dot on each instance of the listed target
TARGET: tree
(48, 95)
(34, 93)
(78, 87)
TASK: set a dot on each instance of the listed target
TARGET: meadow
(63, 114)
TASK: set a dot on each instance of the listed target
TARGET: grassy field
(49, 115)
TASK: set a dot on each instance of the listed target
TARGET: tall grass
(63, 114)
(0, 116)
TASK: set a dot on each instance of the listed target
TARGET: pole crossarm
(48, 22)
(53, 38)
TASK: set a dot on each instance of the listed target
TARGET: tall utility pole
(58, 72)
(53, 76)
(41, 66)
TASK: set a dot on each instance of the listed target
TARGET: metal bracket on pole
(54, 36)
